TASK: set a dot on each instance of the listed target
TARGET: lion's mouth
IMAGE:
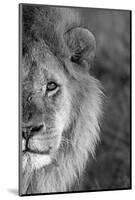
(40, 145)
(37, 140)
(46, 152)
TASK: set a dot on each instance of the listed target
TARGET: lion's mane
(82, 134)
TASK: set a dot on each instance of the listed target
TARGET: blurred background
(111, 168)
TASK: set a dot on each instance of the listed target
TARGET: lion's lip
(47, 145)
(36, 151)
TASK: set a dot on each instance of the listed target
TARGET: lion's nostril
(25, 134)
(29, 131)
(37, 128)
(29, 98)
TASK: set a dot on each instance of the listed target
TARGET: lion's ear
(82, 46)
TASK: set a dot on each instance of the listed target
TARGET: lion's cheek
(62, 117)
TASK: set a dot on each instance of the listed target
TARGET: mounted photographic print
(74, 133)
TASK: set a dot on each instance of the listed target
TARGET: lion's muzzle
(37, 141)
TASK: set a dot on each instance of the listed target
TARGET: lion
(61, 101)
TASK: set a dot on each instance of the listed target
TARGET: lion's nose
(29, 131)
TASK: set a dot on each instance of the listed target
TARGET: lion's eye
(51, 86)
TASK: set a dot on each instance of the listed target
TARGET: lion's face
(54, 85)
(45, 106)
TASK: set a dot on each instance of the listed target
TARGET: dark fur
(49, 24)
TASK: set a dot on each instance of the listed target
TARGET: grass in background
(111, 169)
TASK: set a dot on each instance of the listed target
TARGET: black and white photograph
(74, 99)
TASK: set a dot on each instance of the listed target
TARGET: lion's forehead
(37, 71)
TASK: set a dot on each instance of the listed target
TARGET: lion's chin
(35, 161)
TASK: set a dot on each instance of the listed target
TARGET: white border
(9, 97)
